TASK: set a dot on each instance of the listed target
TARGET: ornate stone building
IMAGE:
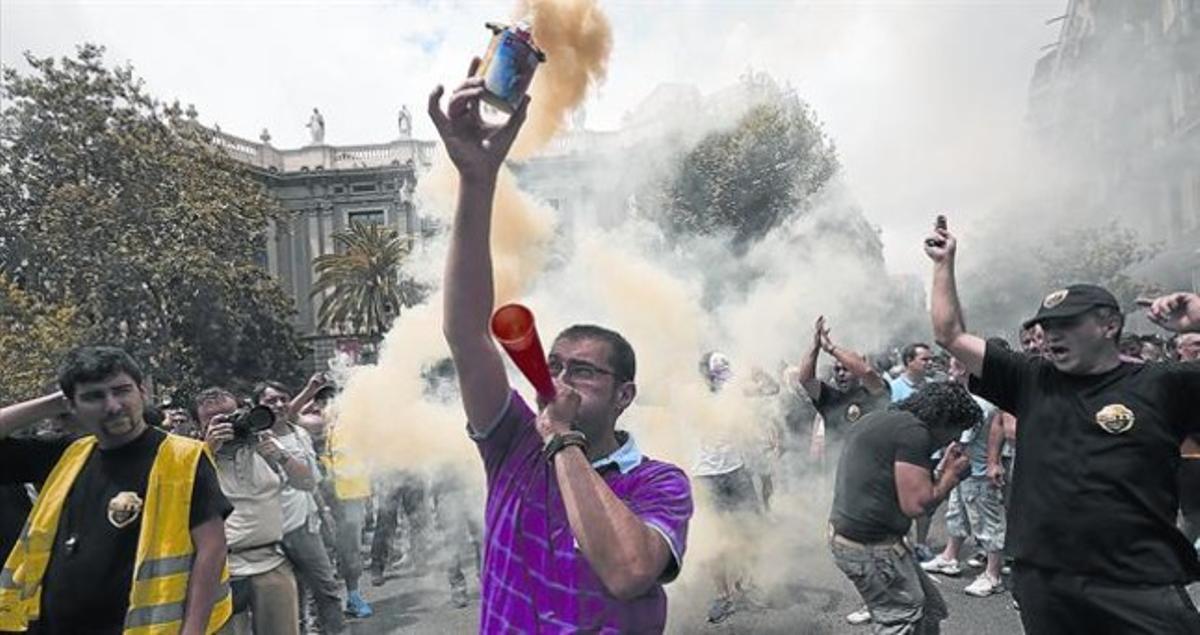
(1117, 96)
(326, 188)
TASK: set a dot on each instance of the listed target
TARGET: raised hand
(1177, 312)
(940, 245)
(826, 342)
(317, 382)
(820, 332)
(476, 148)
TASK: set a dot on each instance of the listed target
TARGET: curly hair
(945, 405)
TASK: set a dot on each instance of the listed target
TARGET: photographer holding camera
(252, 468)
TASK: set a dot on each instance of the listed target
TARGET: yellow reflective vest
(164, 552)
(351, 481)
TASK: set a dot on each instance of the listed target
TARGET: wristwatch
(556, 443)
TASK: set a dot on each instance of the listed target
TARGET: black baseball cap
(1072, 301)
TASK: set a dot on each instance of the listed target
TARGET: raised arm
(314, 386)
(806, 374)
(477, 151)
(944, 308)
(27, 413)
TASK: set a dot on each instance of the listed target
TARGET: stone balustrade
(325, 157)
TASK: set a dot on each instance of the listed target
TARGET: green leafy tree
(361, 283)
(746, 180)
(34, 336)
(1099, 254)
(119, 206)
(1004, 287)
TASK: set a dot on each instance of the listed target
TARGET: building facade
(324, 189)
(1117, 96)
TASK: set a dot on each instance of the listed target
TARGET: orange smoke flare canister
(514, 328)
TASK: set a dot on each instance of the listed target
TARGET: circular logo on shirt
(1115, 418)
(124, 508)
(853, 413)
(1054, 299)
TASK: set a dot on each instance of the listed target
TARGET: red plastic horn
(513, 326)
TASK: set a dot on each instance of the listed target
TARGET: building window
(362, 188)
(366, 217)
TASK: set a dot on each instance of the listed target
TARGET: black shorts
(731, 491)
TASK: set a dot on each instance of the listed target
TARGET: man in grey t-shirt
(883, 481)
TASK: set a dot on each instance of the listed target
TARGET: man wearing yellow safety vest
(127, 534)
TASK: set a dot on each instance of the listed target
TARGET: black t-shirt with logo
(1094, 491)
(866, 505)
(843, 408)
(86, 586)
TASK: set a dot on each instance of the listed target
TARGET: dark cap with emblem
(1072, 301)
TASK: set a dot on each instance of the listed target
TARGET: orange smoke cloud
(387, 420)
(577, 40)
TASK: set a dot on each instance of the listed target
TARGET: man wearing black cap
(1094, 494)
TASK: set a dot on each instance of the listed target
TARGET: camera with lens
(250, 420)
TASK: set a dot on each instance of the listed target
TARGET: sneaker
(459, 598)
(356, 606)
(984, 586)
(861, 616)
(977, 561)
(377, 578)
(922, 552)
(720, 609)
(941, 565)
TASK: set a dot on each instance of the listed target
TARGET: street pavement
(816, 601)
(804, 592)
(807, 595)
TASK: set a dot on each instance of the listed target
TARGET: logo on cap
(1054, 299)
(1115, 418)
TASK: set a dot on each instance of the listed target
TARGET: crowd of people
(265, 471)
(1068, 465)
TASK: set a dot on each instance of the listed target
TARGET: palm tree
(365, 286)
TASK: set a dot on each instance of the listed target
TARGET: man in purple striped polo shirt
(582, 530)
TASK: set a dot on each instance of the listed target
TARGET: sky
(925, 99)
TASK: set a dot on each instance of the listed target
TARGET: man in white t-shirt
(301, 517)
(720, 471)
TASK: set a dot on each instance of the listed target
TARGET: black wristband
(563, 440)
